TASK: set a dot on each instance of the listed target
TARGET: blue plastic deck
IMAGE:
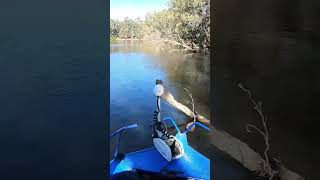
(191, 164)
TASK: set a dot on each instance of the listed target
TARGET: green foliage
(112, 39)
(128, 28)
(192, 19)
(185, 22)
(115, 26)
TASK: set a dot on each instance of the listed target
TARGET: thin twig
(258, 107)
(192, 103)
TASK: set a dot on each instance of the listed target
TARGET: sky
(119, 9)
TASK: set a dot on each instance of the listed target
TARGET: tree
(186, 23)
(115, 27)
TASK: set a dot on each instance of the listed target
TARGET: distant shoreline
(162, 42)
(129, 39)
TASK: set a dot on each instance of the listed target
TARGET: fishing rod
(158, 91)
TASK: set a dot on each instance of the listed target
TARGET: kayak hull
(191, 165)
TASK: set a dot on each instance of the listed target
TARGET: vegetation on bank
(185, 23)
(112, 39)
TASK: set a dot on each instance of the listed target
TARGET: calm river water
(134, 67)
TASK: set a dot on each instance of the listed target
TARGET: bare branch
(266, 167)
(192, 103)
(256, 128)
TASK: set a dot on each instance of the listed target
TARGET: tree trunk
(180, 44)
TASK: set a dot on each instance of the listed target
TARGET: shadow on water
(272, 47)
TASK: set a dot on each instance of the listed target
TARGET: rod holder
(119, 132)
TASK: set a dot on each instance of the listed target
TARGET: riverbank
(129, 39)
(165, 42)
